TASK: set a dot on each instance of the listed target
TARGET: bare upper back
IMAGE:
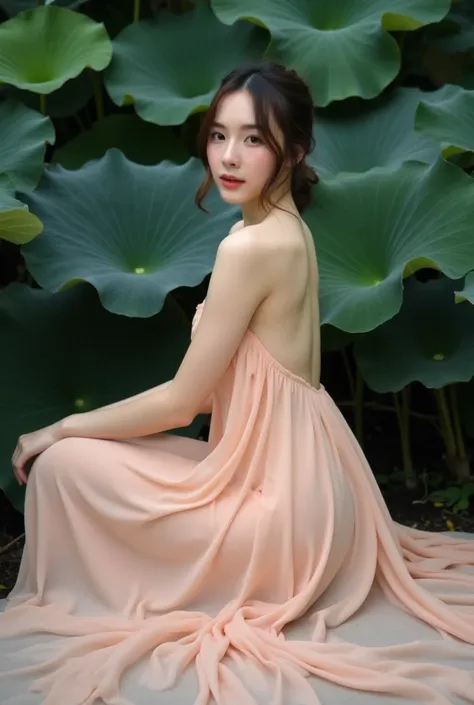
(287, 322)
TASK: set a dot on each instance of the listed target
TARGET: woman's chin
(230, 197)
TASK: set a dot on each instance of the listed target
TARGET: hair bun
(303, 172)
(303, 179)
(310, 173)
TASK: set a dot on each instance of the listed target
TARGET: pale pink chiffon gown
(260, 567)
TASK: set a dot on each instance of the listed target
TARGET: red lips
(232, 179)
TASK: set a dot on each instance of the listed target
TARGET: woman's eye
(216, 137)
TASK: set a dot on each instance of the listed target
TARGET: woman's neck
(253, 213)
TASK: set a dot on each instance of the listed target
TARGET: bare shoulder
(239, 271)
(260, 255)
(244, 252)
(236, 227)
(240, 246)
(261, 240)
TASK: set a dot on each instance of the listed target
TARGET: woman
(165, 552)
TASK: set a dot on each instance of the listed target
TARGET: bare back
(288, 322)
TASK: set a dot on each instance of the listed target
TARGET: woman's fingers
(18, 462)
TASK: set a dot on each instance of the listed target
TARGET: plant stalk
(446, 428)
(386, 407)
(458, 434)
(81, 125)
(136, 10)
(462, 463)
(350, 374)
(43, 103)
(402, 407)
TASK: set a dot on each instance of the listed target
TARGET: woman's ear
(300, 156)
(291, 164)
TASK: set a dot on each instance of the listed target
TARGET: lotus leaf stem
(374, 406)
(446, 425)
(136, 10)
(82, 127)
(461, 447)
(402, 408)
(348, 368)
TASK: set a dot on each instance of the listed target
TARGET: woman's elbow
(185, 410)
(207, 406)
(203, 408)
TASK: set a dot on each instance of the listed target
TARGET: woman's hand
(32, 444)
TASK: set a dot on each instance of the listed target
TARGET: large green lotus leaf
(13, 7)
(373, 229)
(17, 224)
(148, 66)
(66, 101)
(380, 135)
(341, 48)
(140, 141)
(41, 49)
(24, 134)
(132, 231)
(64, 353)
(431, 341)
(448, 117)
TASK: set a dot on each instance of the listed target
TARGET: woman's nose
(231, 154)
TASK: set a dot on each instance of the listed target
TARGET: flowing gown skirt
(261, 567)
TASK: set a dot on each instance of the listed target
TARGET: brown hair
(279, 92)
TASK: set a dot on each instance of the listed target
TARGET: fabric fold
(261, 566)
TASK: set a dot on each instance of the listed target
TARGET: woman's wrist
(64, 428)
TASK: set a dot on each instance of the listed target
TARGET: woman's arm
(141, 395)
(154, 411)
(206, 408)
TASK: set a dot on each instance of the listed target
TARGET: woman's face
(236, 149)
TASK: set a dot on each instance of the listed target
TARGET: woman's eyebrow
(247, 126)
